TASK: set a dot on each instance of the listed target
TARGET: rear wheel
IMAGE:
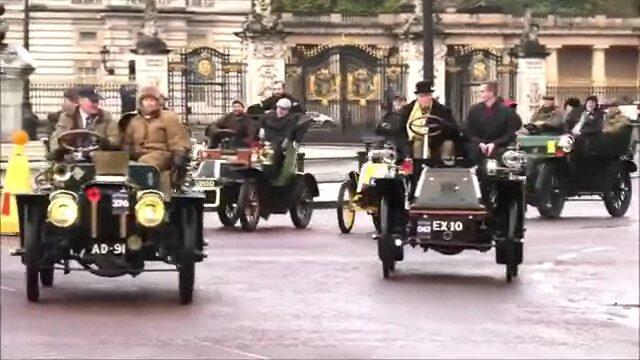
(33, 253)
(375, 217)
(549, 195)
(187, 264)
(345, 208)
(227, 209)
(46, 277)
(617, 196)
(249, 205)
(512, 265)
(302, 207)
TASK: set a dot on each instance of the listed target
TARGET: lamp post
(427, 39)
(26, 103)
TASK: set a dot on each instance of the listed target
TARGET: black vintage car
(449, 210)
(107, 215)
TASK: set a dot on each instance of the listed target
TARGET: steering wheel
(79, 136)
(430, 127)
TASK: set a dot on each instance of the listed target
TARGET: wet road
(314, 293)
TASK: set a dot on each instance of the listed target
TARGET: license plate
(119, 203)
(445, 229)
(206, 184)
(103, 249)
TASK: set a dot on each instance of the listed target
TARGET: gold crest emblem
(205, 68)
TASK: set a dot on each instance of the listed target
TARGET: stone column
(440, 70)
(552, 65)
(265, 57)
(411, 54)
(598, 65)
(16, 65)
(531, 84)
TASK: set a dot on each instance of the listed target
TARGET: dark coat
(497, 125)
(244, 126)
(592, 125)
(275, 129)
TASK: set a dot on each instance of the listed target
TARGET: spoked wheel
(227, 210)
(549, 195)
(46, 277)
(375, 217)
(249, 205)
(617, 198)
(386, 247)
(302, 207)
(346, 208)
(187, 263)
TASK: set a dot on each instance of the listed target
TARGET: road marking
(6, 288)
(237, 351)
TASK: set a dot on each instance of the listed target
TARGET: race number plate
(103, 249)
(441, 229)
(206, 184)
(119, 203)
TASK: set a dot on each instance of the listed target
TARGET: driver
(548, 118)
(237, 121)
(156, 137)
(278, 128)
(441, 146)
(490, 125)
(87, 115)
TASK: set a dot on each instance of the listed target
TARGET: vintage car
(359, 193)
(449, 210)
(107, 215)
(214, 173)
(557, 172)
(259, 189)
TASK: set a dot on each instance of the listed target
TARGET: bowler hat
(424, 87)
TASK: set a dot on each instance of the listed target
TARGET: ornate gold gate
(349, 83)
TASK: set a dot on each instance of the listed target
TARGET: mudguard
(630, 166)
(311, 183)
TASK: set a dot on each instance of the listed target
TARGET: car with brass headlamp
(106, 213)
(455, 206)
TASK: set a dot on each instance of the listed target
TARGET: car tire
(550, 198)
(618, 192)
(346, 214)
(249, 205)
(227, 210)
(302, 207)
(46, 277)
(33, 254)
(386, 247)
(512, 265)
(327, 124)
(187, 264)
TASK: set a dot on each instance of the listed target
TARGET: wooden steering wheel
(430, 127)
(66, 139)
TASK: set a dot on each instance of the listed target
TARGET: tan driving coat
(104, 126)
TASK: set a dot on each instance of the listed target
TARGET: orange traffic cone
(17, 180)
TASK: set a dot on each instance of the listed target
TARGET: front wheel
(302, 207)
(345, 208)
(249, 205)
(617, 196)
(549, 195)
(386, 247)
(187, 264)
(33, 252)
(227, 210)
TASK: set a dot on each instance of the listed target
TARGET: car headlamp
(512, 159)
(492, 166)
(150, 208)
(63, 208)
(566, 143)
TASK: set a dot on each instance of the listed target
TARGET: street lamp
(104, 53)
(427, 39)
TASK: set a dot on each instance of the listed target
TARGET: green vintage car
(556, 172)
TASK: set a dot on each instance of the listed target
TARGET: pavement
(314, 293)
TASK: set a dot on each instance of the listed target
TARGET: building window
(88, 36)
(200, 3)
(87, 71)
(87, 2)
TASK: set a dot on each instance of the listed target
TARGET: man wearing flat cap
(69, 104)
(279, 126)
(548, 119)
(442, 146)
(87, 115)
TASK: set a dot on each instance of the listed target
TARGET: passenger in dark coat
(490, 125)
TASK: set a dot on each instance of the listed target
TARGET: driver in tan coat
(157, 137)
